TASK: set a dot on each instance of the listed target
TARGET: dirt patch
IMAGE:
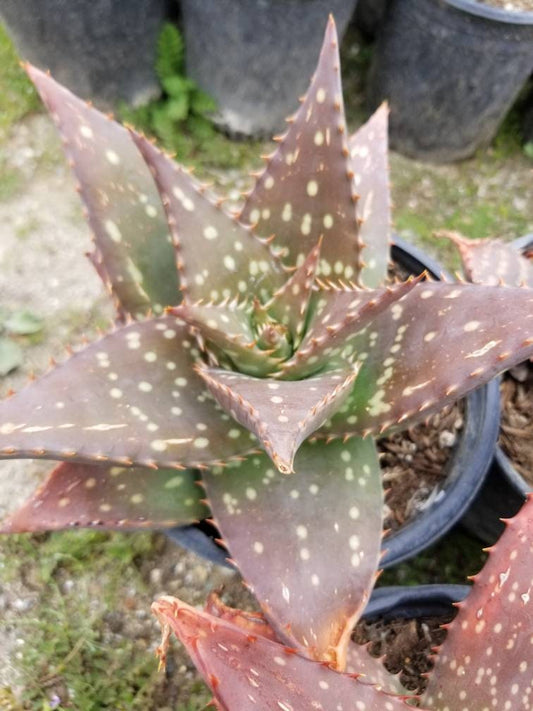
(414, 464)
(406, 645)
(516, 429)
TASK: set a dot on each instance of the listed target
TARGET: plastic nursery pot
(369, 16)
(504, 490)
(101, 50)
(409, 602)
(451, 70)
(465, 469)
(252, 56)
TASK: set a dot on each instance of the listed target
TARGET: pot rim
(488, 12)
(411, 601)
(515, 479)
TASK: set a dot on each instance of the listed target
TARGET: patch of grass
(448, 561)
(71, 654)
(11, 179)
(17, 95)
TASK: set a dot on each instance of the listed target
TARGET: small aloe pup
(281, 353)
(485, 662)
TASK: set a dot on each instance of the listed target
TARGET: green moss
(17, 95)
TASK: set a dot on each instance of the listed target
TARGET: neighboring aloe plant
(484, 663)
(285, 354)
(492, 261)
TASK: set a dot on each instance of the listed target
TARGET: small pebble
(447, 438)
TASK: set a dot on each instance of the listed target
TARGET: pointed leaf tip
(246, 672)
(311, 598)
(281, 413)
(132, 255)
(307, 189)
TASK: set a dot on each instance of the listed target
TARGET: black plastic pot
(409, 602)
(466, 467)
(450, 69)
(504, 490)
(369, 15)
(255, 57)
(102, 50)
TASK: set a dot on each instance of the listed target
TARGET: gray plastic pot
(504, 490)
(450, 69)
(103, 50)
(255, 57)
(465, 470)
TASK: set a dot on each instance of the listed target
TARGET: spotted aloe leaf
(246, 671)
(358, 661)
(307, 189)
(80, 495)
(369, 154)
(486, 658)
(217, 257)
(491, 261)
(138, 402)
(281, 414)
(341, 314)
(313, 568)
(133, 251)
(405, 373)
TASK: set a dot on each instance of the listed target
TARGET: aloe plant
(492, 261)
(261, 350)
(484, 663)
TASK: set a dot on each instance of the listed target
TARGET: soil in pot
(516, 433)
(406, 645)
(414, 464)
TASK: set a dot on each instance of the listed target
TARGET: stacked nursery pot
(450, 69)
(252, 56)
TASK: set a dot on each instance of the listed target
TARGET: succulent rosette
(259, 351)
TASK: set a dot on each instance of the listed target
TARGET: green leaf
(24, 323)
(10, 356)
(170, 52)
(177, 87)
(178, 108)
(202, 103)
